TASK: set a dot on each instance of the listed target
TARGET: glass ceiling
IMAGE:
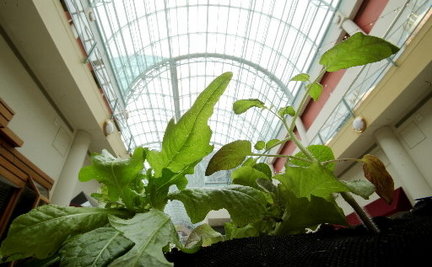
(155, 57)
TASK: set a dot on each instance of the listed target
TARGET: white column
(350, 27)
(412, 180)
(347, 24)
(63, 191)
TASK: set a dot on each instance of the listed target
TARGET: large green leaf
(158, 188)
(245, 204)
(247, 175)
(115, 173)
(150, 231)
(187, 141)
(264, 168)
(357, 50)
(243, 105)
(301, 213)
(229, 156)
(40, 232)
(320, 152)
(232, 231)
(205, 235)
(95, 248)
(313, 180)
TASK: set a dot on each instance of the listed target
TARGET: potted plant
(132, 229)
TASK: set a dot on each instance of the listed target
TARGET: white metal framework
(161, 55)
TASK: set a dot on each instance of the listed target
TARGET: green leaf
(272, 143)
(260, 145)
(150, 231)
(314, 90)
(233, 232)
(245, 204)
(205, 235)
(50, 225)
(320, 152)
(241, 106)
(360, 187)
(314, 180)
(289, 110)
(247, 175)
(267, 185)
(115, 173)
(229, 156)
(158, 188)
(302, 77)
(95, 248)
(264, 168)
(302, 213)
(357, 50)
(47, 262)
(185, 143)
(249, 162)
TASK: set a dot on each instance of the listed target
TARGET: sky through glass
(162, 54)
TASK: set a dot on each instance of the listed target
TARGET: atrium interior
(82, 76)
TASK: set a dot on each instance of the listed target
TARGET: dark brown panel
(11, 137)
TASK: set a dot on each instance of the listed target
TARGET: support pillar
(346, 24)
(64, 189)
(351, 27)
(412, 180)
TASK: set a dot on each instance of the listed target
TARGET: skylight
(162, 54)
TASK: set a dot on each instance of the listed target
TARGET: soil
(403, 241)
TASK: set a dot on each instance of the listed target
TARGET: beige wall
(415, 134)
(46, 138)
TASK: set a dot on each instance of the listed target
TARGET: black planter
(404, 241)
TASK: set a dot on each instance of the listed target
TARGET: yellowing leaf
(375, 171)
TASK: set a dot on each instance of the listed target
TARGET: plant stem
(301, 147)
(303, 102)
(293, 137)
(364, 217)
(276, 144)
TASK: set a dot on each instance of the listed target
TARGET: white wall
(46, 138)
(415, 135)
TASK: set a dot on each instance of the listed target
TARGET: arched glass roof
(163, 53)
